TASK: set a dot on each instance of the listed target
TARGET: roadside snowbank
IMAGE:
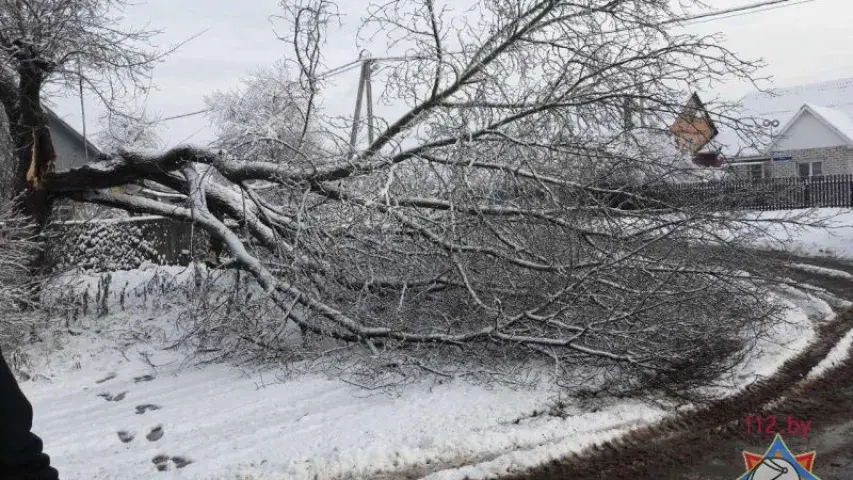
(839, 353)
(830, 272)
(836, 240)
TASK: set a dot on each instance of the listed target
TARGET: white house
(804, 131)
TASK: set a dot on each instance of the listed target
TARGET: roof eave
(73, 132)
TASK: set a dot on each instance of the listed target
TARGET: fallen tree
(473, 228)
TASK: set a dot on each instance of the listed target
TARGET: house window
(756, 171)
(811, 169)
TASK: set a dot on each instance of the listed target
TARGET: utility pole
(364, 90)
(368, 68)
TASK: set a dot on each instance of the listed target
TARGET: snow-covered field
(114, 375)
(835, 241)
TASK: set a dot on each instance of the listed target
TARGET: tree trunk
(34, 149)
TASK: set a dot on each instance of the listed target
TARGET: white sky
(801, 44)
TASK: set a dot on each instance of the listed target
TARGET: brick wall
(836, 161)
(691, 134)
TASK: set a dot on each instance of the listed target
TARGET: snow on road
(791, 336)
(830, 272)
(111, 403)
(839, 353)
(227, 422)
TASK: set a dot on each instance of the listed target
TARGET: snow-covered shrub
(18, 248)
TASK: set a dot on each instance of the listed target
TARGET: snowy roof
(773, 110)
(55, 121)
(836, 118)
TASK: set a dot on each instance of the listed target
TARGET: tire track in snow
(660, 451)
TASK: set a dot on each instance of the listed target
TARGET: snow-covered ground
(836, 240)
(789, 338)
(114, 375)
(839, 353)
(831, 272)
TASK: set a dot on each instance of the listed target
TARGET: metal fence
(759, 194)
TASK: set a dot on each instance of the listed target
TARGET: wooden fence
(758, 194)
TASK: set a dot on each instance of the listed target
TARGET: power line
(698, 18)
(719, 13)
(340, 69)
(742, 10)
(184, 115)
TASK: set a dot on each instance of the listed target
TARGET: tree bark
(35, 153)
(35, 156)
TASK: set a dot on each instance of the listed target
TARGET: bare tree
(133, 130)
(265, 119)
(478, 225)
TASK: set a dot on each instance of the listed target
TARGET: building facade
(802, 131)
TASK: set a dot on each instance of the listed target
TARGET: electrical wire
(184, 115)
(771, 6)
(743, 10)
(716, 15)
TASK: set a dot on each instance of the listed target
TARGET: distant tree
(128, 131)
(264, 119)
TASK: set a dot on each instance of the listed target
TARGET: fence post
(849, 191)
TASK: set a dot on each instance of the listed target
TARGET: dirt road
(831, 436)
(708, 444)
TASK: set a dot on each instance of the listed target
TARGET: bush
(18, 286)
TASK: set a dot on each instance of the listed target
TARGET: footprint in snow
(141, 409)
(107, 378)
(110, 398)
(181, 462)
(155, 434)
(162, 462)
(143, 378)
(125, 437)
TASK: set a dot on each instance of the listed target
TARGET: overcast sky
(801, 43)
